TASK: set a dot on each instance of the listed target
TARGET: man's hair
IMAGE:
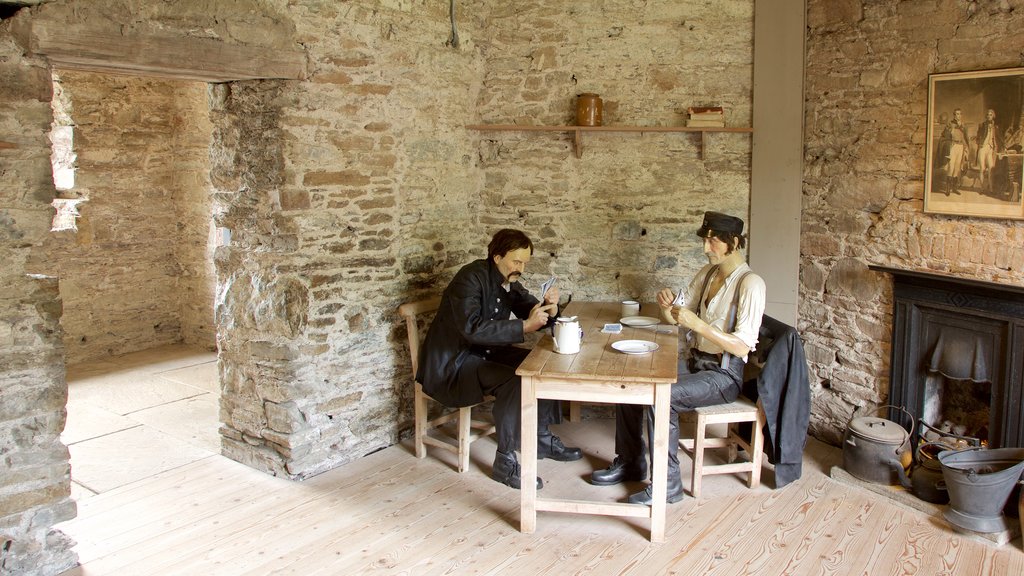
(507, 240)
(729, 238)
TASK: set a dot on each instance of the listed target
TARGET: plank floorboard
(393, 514)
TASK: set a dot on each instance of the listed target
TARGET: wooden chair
(433, 431)
(742, 410)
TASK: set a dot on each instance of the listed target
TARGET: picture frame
(972, 169)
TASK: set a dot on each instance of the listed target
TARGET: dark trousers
(702, 382)
(495, 375)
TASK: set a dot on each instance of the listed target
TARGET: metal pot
(926, 480)
(875, 448)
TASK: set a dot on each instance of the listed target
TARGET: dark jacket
(473, 314)
(784, 391)
(997, 136)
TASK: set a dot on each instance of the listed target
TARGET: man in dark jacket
(468, 352)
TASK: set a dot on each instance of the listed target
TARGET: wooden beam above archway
(109, 50)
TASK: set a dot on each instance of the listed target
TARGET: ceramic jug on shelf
(588, 109)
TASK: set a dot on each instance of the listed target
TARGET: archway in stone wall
(122, 37)
(134, 254)
(104, 55)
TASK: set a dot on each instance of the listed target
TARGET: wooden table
(599, 373)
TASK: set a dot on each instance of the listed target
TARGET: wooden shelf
(578, 131)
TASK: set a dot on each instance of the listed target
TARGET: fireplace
(958, 355)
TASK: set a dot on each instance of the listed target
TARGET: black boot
(506, 470)
(673, 492)
(550, 446)
(620, 471)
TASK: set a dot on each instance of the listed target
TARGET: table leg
(659, 488)
(528, 487)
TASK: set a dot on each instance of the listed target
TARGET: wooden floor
(390, 513)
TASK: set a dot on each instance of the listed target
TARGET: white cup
(630, 308)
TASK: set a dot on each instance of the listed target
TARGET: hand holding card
(680, 298)
(545, 286)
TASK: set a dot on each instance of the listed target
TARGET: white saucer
(639, 321)
(635, 346)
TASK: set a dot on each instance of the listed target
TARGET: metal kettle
(873, 448)
(925, 480)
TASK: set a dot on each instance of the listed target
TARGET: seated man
(468, 351)
(722, 312)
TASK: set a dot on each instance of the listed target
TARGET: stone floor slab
(124, 457)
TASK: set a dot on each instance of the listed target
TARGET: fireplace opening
(957, 362)
(956, 409)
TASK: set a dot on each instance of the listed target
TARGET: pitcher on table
(567, 335)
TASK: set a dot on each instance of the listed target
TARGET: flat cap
(719, 222)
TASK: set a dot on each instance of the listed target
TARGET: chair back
(411, 311)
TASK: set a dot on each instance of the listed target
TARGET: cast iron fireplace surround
(959, 329)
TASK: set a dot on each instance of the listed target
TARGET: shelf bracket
(577, 143)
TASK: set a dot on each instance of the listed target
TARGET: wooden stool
(742, 410)
(467, 429)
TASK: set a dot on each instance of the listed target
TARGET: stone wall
(34, 472)
(137, 273)
(866, 92)
(620, 221)
(343, 196)
(359, 189)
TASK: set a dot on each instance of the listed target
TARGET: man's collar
(495, 274)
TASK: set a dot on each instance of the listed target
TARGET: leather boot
(506, 470)
(673, 493)
(620, 471)
(550, 446)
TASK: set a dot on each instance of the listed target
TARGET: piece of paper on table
(544, 287)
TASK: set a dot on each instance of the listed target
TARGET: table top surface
(597, 359)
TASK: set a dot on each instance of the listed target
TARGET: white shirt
(748, 311)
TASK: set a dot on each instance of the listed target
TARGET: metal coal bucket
(979, 482)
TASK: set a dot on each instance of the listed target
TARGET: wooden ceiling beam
(108, 50)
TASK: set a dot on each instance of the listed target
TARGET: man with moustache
(720, 315)
(468, 352)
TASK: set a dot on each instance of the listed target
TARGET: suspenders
(730, 323)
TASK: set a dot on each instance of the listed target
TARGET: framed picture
(973, 164)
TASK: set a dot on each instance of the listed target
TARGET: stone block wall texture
(137, 273)
(865, 132)
(361, 188)
(35, 475)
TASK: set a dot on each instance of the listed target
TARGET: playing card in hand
(680, 298)
(544, 287)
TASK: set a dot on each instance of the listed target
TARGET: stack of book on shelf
(705, 117)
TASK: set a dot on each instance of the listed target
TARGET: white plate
(635, 346)
(639, 321)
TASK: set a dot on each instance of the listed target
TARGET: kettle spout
(897, 466)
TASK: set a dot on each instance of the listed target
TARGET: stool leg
(465, 429)
(698, 455)
(731, 432)
(420, 415)
(757, 446)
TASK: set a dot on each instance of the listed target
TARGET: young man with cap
(468, 351)
(719, 315)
